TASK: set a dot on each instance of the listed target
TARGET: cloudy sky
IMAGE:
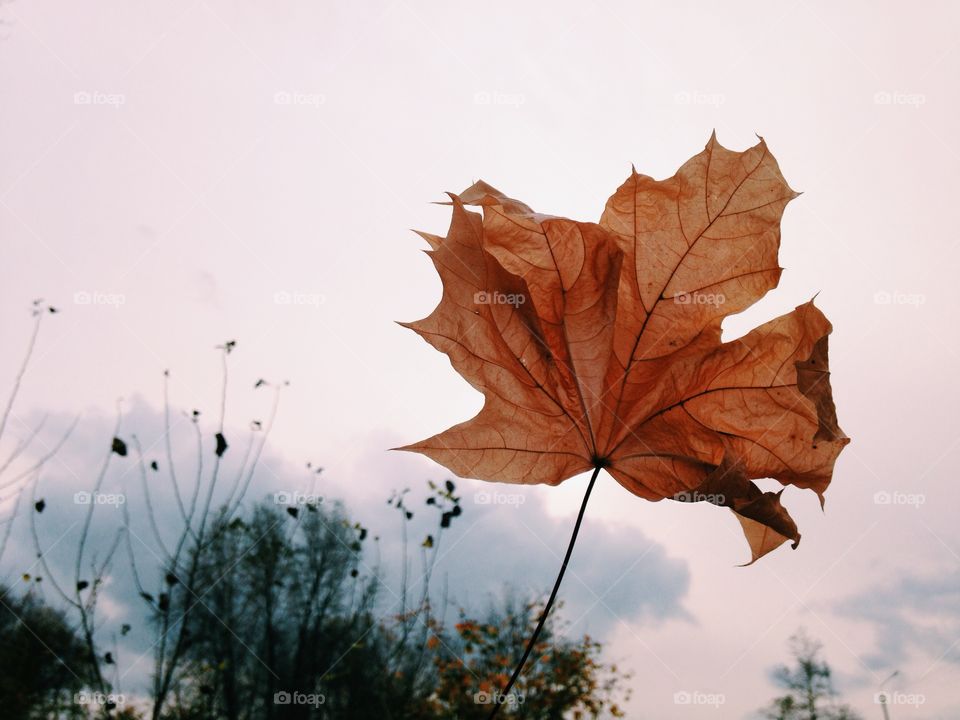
(177, 174)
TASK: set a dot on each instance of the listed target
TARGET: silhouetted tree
(40, 657)
(294, 615)
(810, 694)
(264, 612)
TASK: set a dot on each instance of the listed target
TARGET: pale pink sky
(189, 167)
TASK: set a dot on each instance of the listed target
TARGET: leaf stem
(499, 699)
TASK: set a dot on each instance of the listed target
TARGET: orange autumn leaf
(599, 344)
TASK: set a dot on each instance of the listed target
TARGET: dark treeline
(248, 610)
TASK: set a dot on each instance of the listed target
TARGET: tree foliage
(808, 685)
(39, 658)
(248, 610)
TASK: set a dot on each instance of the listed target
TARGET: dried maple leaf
(598, 344)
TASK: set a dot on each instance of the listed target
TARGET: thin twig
(21, 372)
(93, 503)
(169, 445)
(24, 444)
(13, 516)
(41, 553)
(256, 456)
(44, 459)
(148, 502)
(216, 463)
